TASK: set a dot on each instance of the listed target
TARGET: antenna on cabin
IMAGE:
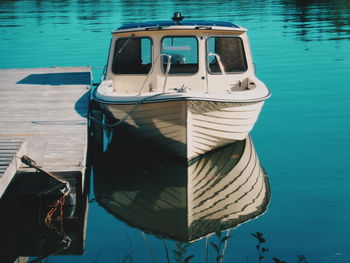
(177, 17)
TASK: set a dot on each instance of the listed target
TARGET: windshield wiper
(126, 43)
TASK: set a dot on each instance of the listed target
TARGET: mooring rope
(57, 207)
(127, 115)
(32, 164)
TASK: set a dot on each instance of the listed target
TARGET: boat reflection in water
(180, 199)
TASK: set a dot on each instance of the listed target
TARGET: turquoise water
(301, 51)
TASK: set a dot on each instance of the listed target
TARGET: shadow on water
(177, 199)
(317, 20)
(32, 225)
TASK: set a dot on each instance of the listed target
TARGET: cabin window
(231, 52)
(183, 52)
(132, 56)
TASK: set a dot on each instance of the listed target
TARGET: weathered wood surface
(9, 163)
(48, 108)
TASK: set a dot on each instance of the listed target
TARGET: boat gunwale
(189, 97)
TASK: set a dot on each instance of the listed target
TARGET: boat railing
(151, 71)
(222, 69)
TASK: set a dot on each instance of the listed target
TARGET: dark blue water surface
(302, 52)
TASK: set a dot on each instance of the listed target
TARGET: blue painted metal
(152, 24)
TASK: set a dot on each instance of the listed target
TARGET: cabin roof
(187, 24)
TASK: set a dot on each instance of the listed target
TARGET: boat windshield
(132, 56)
(183, 52)
(231, 52)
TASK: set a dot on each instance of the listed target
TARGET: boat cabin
(180, 56)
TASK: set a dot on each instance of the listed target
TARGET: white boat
(187, 85)
(180, 199)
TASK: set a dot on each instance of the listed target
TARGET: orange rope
(57, 208)
(51, 219)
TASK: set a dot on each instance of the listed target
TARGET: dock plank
(47, 108)
(9, 163)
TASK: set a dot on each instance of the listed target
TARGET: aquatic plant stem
(149, 247)
(206, 249)
(225, 245)
(128, 251)
(166, 251)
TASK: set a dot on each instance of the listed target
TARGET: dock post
(95, 134)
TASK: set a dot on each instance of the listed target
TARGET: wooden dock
(43, 113)
(9, 163)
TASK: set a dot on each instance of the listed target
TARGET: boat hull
(187, 128)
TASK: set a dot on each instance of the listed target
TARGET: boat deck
(46, 109)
